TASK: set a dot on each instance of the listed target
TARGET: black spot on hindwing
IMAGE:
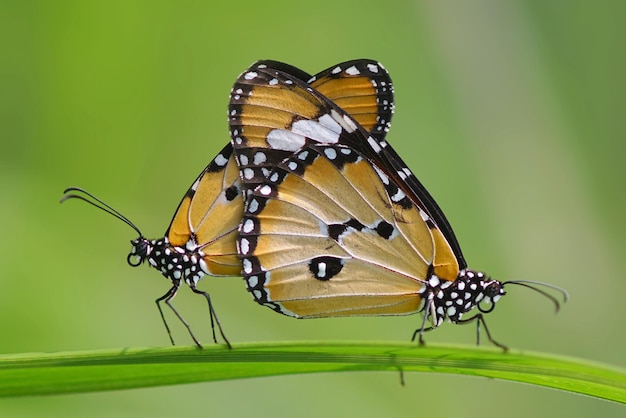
(325, 267)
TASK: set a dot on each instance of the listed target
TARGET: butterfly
(335, 224)
(201, 238)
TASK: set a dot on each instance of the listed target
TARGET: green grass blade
(99, 370)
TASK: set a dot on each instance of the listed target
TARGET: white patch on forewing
(345, 121)
(314, 130)
(285, 140)
(327, 121)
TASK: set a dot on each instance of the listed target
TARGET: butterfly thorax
(451, 299)
(174, 262)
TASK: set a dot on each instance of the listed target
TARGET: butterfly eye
(139, 252)
(494, 289)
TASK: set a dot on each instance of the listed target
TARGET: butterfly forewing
(209, 216)
(324, 204)
(281, 101)
(362, 88)
(211, 210)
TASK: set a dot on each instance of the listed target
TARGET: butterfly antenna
(85, 196)
(529, 284)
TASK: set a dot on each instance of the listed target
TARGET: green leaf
(99, 370)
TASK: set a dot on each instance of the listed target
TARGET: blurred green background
(511, 113)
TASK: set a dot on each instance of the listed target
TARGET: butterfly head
(492, 290)
(141, 249)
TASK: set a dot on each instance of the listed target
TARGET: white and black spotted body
(451, 300)
(175, 263)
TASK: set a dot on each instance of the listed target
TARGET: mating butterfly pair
(316, 210)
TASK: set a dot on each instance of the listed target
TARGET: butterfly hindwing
(312, 251)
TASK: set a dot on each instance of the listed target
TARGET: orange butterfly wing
(294, 259)
(211, 210)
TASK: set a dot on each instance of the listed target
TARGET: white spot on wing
(259, 158)
(314, 130)
(244, 246)
(329, 122)
(373, 68)
(220, 160)
(344, 121)
(285, 140)
(352, 71)
(351, 126)
(330, 153)
(253, 281)
(248, 173)
(247, 266)
(253, 206)
(383, 176)
(321, 269)
(248, 226)
(374, 144)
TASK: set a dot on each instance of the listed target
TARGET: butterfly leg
(480, 319)
(214, 318)
(429, 309)
(168, 299)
